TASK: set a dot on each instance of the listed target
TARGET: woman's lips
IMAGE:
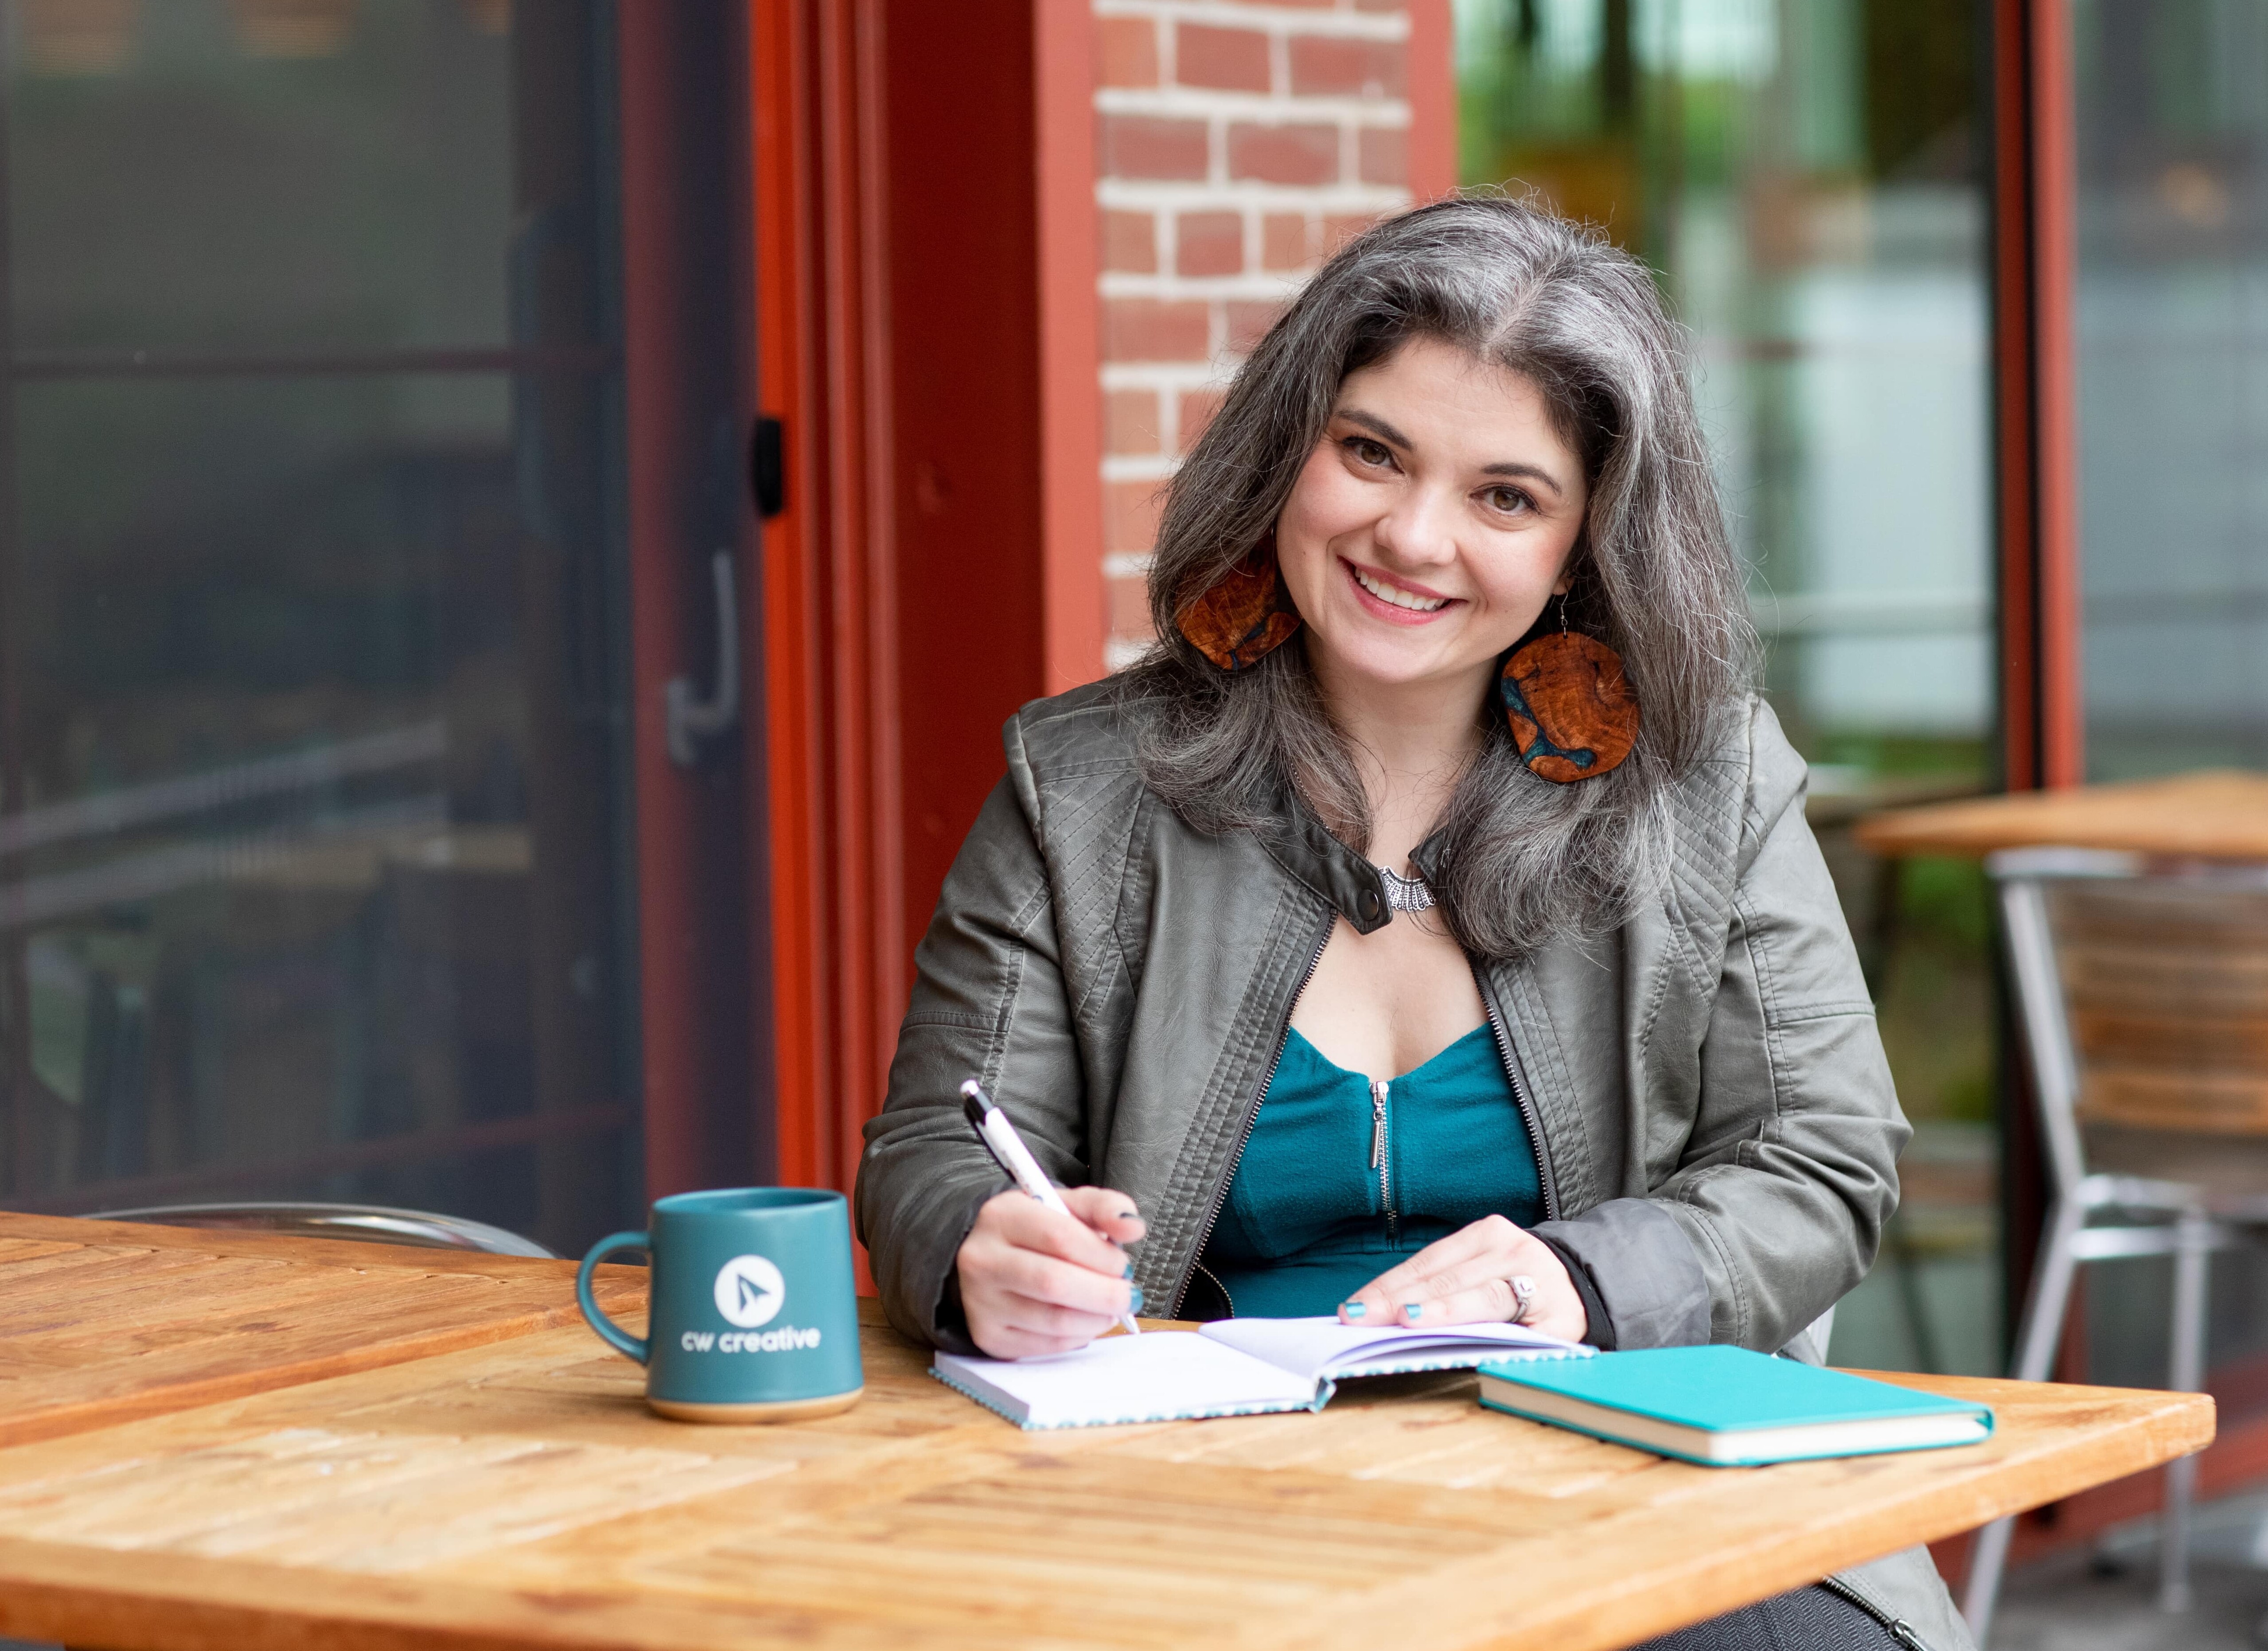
(1379, 608)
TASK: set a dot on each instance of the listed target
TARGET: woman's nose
(1418, 531)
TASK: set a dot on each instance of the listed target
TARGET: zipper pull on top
(1379, 1094)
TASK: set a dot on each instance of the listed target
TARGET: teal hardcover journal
(1728, 1407)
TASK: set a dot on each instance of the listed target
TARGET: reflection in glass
(2172, 101)
(308, 840)
(1803, 175)
(209, 173)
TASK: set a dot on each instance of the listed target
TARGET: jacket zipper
(1252, 1116)
(1520, 1097)
(1897, 1627)
(1380, 1089)
(1218, 1285)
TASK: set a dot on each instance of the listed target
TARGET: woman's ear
(1576, 552)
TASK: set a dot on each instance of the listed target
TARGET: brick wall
(1235, 144)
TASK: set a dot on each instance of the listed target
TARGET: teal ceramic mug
(754, 1312)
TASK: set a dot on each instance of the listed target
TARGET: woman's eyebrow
(1527, 472)
(1376, 426)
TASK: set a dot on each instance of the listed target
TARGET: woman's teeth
(1399, 598)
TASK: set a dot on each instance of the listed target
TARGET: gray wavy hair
(1527, 861)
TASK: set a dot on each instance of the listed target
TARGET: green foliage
(1901, 756)
(1936, 1005)
(1946, 904)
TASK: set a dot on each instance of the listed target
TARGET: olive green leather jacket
(1710, 1107)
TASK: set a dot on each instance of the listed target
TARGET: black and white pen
(998, 1134)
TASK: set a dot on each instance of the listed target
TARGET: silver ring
(1523, 1296)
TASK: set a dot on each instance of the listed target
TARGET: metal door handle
(691, 719)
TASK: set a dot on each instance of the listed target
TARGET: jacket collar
(1298, 841)
(1431, 858)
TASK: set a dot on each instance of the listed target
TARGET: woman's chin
(1399, 660)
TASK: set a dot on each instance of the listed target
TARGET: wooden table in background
(2217, 814)
(518, 1495)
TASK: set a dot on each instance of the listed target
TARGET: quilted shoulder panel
(1074, 762)
(1708, 817)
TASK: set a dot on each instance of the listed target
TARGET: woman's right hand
(1032, 1281)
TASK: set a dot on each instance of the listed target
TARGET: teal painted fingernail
(1412, 1309)
(1134, 1305)
(1129, 1273)
(1352, 1309)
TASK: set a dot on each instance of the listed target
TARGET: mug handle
(614, 1334)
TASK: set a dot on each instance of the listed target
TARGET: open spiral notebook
(1235, 1367)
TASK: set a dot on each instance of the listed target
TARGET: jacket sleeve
(1789, 1170)
(988, 1001)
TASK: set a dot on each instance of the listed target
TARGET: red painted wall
(965, 413)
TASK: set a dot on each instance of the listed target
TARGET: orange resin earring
(1572, 710)
(1242, 617)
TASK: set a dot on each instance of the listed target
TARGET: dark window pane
(207, 174)
(309, 792)
(2173, 372)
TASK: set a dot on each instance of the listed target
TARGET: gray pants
(1809, 1619)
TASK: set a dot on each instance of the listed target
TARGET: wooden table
(2217, 813)
(515, 1492)
(103, 1321)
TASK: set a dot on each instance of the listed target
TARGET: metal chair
(372, 1223)
(2143, 996)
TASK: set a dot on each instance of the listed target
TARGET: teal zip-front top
(1342, 1177)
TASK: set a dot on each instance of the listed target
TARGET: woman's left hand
(1466, 1279)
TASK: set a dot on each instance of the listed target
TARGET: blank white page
(1162, 1376)
(1320, 1347)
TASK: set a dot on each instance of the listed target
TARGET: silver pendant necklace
(1406, 894)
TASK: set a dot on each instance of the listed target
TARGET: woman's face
(1433, 521)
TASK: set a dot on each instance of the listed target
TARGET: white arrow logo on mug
(750, 1291)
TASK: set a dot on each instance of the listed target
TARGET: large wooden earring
(1242, 617)
(1572, 710)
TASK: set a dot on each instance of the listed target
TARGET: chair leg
(2036, 1348)
(2051, 1296)
(1986, 1561)
(2191, 1257)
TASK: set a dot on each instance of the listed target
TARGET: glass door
(1807, 179)
(2170, 135)
(2171, 101)
(313, 818)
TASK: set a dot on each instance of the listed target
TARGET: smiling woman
(1427, 931)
